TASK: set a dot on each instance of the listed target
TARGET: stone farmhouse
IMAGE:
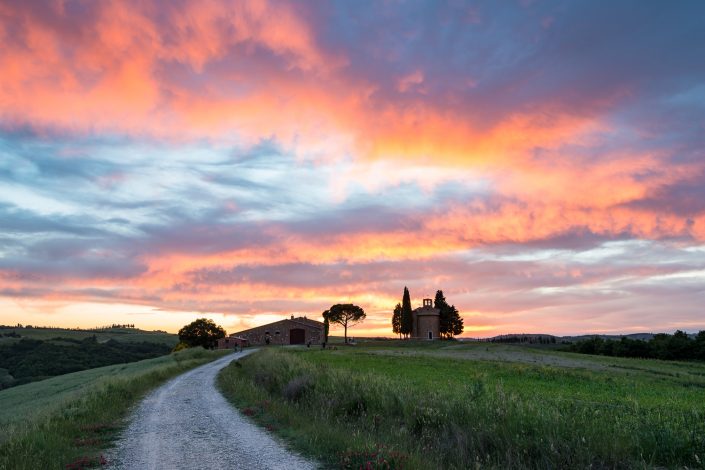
(300, 330)
(232, 342)
(426, 321)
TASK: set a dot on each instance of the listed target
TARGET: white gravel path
(187, 424)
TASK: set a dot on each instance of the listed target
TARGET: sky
(541, 162)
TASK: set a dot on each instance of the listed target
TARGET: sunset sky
(542, 162)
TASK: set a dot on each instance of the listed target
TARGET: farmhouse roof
(299, 321)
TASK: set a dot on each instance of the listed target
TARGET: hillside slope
(60, 422)
(102, 335)
(28, 360)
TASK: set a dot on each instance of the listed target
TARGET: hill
(635, 336)
(28, 360)
(13, 334)
(539, 338)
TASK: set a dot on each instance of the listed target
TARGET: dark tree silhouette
(345, 315)
(396, 320)
(451, 323)
(407, 318)
(444, 321)
(456, 322)
(202, 332)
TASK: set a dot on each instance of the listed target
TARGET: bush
(6, 380)
(180, 347)
(296, 388)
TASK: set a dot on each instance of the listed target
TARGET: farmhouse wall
(232, 342)
(299, 330)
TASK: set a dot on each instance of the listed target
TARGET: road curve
(187, 424)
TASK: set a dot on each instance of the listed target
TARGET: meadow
(66, 421)
(465, 405)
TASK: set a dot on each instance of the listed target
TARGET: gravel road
(187, 424)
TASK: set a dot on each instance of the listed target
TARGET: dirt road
(188, 424)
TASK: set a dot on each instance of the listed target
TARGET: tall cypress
(456, 322)
(396, 320)
(440, 303)
(406, 316)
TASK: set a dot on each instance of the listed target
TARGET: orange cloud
(244, 71)
(116, 74)
(108, 74)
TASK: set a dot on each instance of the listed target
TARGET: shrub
(180, 347)
(379, 458)
(297, 387)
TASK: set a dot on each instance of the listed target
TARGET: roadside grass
(418, 409)
(66, 421)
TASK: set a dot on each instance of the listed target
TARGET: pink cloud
(410, 82)
(240, 72)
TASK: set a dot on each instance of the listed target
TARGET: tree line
(450, 321)
(97, 328)
(523, 339)
(678, 346)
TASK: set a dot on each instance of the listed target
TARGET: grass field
(463, 405)
(118, 334)
(68, 420)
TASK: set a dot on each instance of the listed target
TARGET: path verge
(187, 424)
(66, 421)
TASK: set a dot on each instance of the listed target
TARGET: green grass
(55, 422)
(461, 405)
(118, 334)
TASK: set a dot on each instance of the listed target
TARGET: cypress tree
(396, 320)
(456, 322)
(451, 323)
(406, 316)
(440, 303)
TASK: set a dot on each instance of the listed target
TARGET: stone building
(426, 321)
(292, 330)
(232, 342)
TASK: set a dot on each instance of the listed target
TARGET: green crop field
(59, 421)
(118, 334)
(463, 405)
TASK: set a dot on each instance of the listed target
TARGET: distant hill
(135, 335)
(539, 338)
(639, 336)
(28, 354)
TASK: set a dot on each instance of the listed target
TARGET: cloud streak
(261, 158)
